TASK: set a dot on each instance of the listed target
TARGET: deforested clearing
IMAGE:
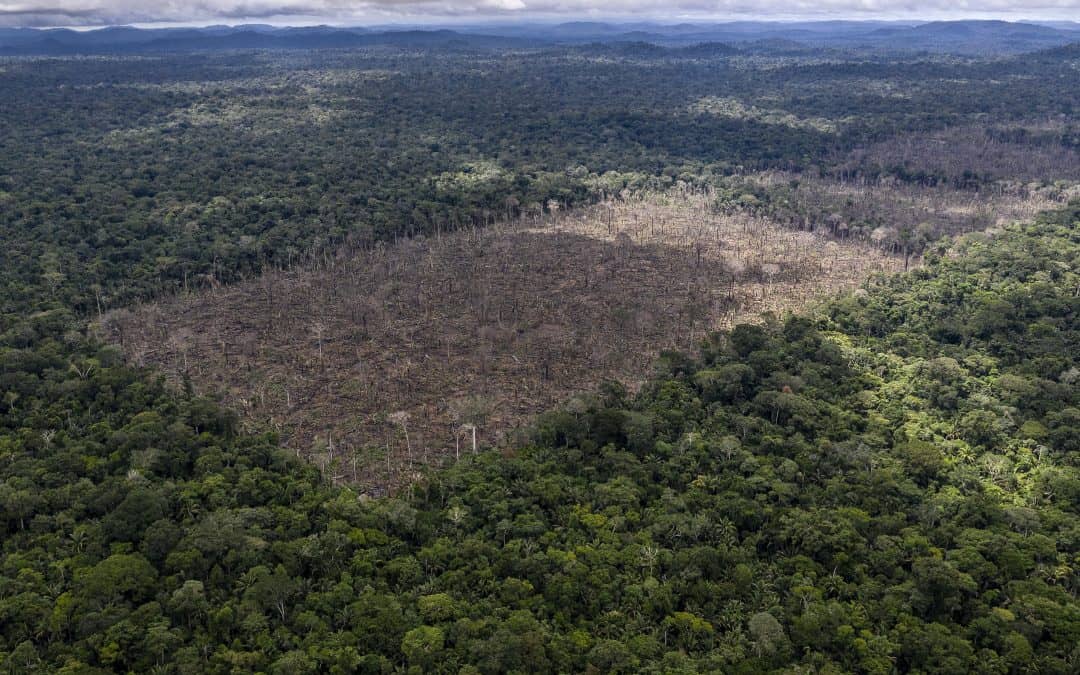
(375, 363)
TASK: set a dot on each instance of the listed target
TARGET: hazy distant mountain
(129, 40)
(589, 29)
(975, 36)
(1061, 25)
(962, 37)
(649, 50)
(947, 36)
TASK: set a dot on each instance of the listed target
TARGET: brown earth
(377, 362)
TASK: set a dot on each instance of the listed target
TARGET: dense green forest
(121, 178)
(889, 483)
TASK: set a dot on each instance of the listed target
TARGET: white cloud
(96, 12)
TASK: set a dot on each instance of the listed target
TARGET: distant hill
(649, 50)
(960, 37)
(974, 36)
(1067, 52)
(133, 40)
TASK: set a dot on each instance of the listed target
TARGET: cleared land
(376, 362)
(898, 215)
(1044, 150)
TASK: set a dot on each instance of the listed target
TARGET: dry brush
(375, 363)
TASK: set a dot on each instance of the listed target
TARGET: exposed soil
(377, 362)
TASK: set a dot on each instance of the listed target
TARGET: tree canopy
(890, 484)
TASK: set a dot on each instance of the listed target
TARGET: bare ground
(860, 207)
(377, 362)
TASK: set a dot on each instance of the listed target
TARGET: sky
(366, 12)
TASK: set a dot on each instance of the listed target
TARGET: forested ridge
(889, 484)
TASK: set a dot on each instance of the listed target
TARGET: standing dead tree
(421, 346)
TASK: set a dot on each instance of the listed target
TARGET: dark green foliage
(893, 485)
(823, 492)
(121, 178)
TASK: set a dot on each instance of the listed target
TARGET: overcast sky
(359, 12)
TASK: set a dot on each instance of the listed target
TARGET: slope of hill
(975, 36)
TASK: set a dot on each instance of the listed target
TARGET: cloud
(101, 12)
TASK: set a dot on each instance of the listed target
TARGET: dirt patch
(375, 363)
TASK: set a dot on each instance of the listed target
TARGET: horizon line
(546, 21)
